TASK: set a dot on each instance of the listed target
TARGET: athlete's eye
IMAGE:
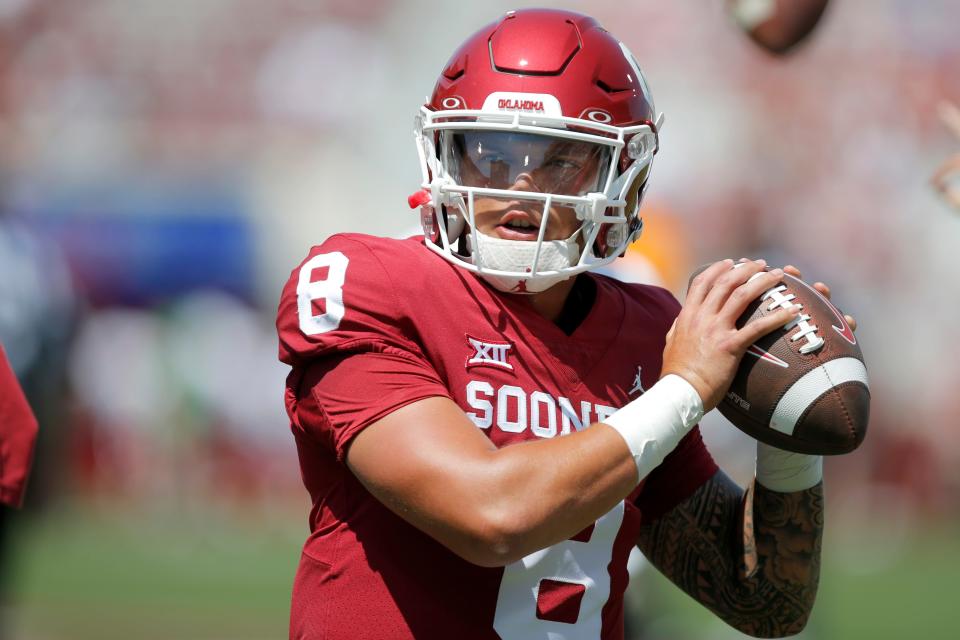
(562, 163)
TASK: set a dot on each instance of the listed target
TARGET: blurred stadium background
(165, 164)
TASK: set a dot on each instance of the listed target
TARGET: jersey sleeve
(346, 327)
(338, 396)
(346, 296)
(18, 434)
(681, 473)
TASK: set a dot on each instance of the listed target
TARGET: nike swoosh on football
(756, 351)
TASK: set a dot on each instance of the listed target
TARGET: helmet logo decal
(536, 103)
(452, 102)
(598, 115)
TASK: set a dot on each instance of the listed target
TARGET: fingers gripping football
(704, 346)
(823, 289)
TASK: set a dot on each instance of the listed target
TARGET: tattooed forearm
(752, 559)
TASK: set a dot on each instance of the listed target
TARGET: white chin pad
(518, 255)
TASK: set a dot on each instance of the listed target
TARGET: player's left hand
(822, 288)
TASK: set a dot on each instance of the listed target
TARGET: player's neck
(567, 303)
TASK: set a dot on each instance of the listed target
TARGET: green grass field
(79, 576)
(82, 577)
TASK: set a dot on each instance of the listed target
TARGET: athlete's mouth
(517, 224)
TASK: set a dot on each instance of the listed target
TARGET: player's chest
(517, 381)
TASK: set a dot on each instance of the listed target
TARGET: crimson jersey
(18, 434)
(372, 324)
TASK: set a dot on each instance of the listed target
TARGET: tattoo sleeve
(752, 558)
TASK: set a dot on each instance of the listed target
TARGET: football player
(485, 426)
(18, 434)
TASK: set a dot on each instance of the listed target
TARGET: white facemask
(517, 255)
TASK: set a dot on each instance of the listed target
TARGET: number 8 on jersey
(329, 290)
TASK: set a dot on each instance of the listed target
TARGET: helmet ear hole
(455, 223)
(428, 222)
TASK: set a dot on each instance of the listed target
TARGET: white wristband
(785, 471)
(654, 423)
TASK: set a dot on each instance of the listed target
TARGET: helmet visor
(525, 161)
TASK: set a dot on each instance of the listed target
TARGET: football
(804, 386)
(777, 26)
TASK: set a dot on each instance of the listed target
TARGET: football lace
(806, 330)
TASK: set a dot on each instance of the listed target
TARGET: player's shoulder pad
(349, 294)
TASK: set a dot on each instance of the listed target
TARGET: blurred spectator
(18, 432)
(36, 319)
(175, 406)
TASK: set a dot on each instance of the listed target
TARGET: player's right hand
(704, 346)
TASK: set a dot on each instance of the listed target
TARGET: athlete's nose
(524, 182)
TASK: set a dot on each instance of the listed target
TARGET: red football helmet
(521, 92)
